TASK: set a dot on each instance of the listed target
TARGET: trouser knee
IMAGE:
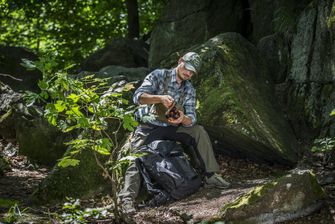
(198, 130)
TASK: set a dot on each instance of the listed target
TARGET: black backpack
(166, 172)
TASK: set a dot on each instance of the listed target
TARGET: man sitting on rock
(167, 112)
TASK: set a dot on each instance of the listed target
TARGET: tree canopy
(71, 29)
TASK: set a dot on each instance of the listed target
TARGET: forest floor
(19, 182)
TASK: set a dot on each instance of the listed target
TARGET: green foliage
(68, 161)
(14, 214)
(75, 104)
(323, 145)
(70, 29)
(73, 213)
(90, 107)
(7, 203)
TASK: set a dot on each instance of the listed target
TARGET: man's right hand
(167, 101)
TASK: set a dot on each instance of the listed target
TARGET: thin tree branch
(10, 76)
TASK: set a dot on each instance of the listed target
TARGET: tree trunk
(133, 20)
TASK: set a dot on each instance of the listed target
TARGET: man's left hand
(178, 120)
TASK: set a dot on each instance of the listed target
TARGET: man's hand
(147, 98)
(178, 120)
(167, 101)
(183, 119)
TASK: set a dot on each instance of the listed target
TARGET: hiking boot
(217, 181)
(128, 207)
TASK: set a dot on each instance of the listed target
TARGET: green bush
(92, 108)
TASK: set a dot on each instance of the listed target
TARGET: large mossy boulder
(38, 140)
(83, 179)
(237, 104)
(13, 73)
(186, 23)
(291, 196)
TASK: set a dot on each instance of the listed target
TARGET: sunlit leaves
(103, 146)
(68, 161)
(323, 145)
(70, 29)
(60, 106)
(129, 123)
(42, 84)
(74, 213)
(79, 143)
(73, 97)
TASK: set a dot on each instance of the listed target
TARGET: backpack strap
(167, 80)
(159, 109)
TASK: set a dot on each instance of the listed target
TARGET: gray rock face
(268, 17)
(14, 74)
(8, 101)
(117, 73)
(186, 23)
(275, 50)
(312, 92)
(123, 52)
(237, 104)
(286, 198)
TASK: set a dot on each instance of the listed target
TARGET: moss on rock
(39, 140)
(78, 181)
(237, 104)
(295, 194)
(83, 179)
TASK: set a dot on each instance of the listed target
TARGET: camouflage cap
(192, 61)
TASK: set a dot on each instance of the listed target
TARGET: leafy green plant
(323, 145)
(14, 214)
(7, 203)
(332, 113)
(74, 213)
(91, 107)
